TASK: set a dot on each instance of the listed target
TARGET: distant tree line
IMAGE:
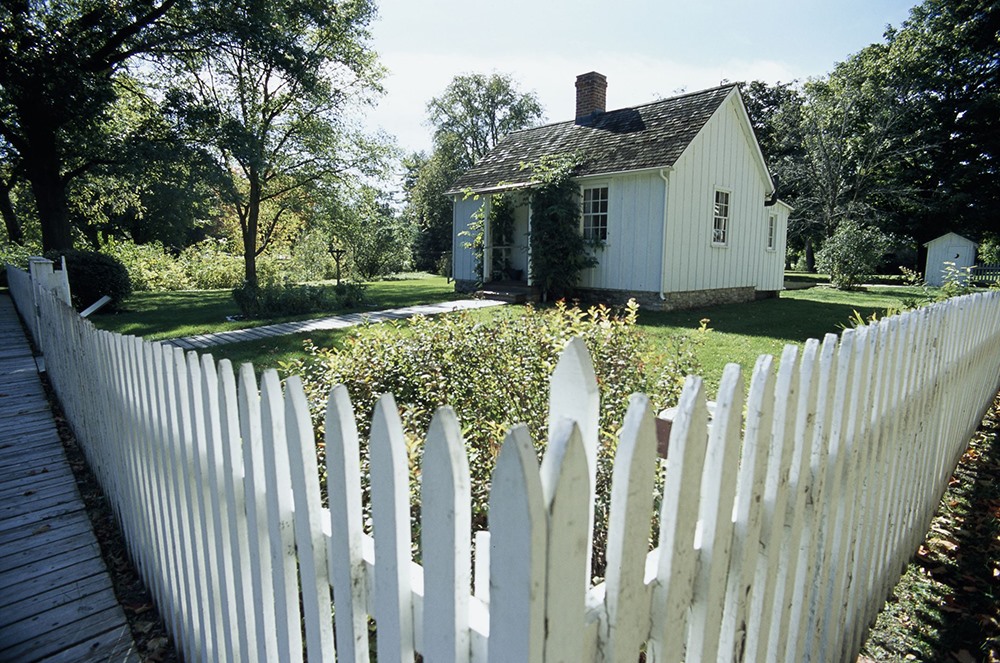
(903, 136)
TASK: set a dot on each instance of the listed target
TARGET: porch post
(529, 243)
(487, 239)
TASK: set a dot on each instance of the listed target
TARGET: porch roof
(653, 135)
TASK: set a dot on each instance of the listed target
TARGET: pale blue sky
(646, 49)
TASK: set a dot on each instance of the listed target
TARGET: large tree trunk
(42, 166)
(249, 228)
(10, 220)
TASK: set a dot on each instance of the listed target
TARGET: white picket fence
(785, 521)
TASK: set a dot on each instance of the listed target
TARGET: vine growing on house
(559, 253)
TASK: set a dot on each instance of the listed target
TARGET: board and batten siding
(722, 156)
(630, 258)
(463, 258)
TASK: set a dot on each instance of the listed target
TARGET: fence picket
(347, 567)
(574, 395)
(258, 532)
(201, 512)
(798, 482)
(179, 441)
(230, 450)
(445, 494)
(746, 514)
(782, 548)
(518, 537)
(675, 569)
(310, 542)
(714, 539)
(278, 494)
(391, 528)
(564, 474)
(626, 603)
(777, 488)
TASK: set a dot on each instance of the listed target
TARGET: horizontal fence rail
(786, 519)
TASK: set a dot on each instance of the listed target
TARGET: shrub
(278, 299)
(150, 266)
(209, 265)
(93, 275)
(16, 255)
(494, 375)
(853, 252)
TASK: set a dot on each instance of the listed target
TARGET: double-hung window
(595, 213)
(772, 231)
(720, 219)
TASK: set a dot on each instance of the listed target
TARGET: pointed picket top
(347, 568)
(445, 494)
(566, 490)
(628, 528)
(674, 586)
(391, 521)
(518, 538)
(574, 394)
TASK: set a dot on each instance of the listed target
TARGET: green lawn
(161, 315)
(741, 332)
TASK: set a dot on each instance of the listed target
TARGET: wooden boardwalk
(56, 598)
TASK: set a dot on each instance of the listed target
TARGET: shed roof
(950, 237)
(653, 135)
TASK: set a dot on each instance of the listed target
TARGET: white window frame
(721, 221)
(588, 215)
(772, 232)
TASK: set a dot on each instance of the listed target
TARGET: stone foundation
(461, 285)
(674, 301)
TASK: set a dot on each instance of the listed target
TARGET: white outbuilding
(948, 248)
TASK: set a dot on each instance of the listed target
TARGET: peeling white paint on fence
(784, 523)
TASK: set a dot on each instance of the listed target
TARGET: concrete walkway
(203, 341)
(56, 597)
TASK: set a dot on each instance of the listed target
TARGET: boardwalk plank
(32, 555)
(56, 600)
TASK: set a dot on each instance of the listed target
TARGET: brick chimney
(591, 94)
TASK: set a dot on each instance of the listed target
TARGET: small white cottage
(675, 193)
(948, 248)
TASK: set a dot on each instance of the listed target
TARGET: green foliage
(149, 266)
(476, 111)
(93, 275)
(209, 265)
(558, 250)
(989, 250)
(277, 299)
(854, 251)
(494, 374)
(377, 240)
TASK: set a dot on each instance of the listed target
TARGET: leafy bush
(494, 375)
(853, 252)
(150, 266)
(16, 255)
(277, 299)
(93, 275)
(209, 265)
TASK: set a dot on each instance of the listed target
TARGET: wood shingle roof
(653, 135)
